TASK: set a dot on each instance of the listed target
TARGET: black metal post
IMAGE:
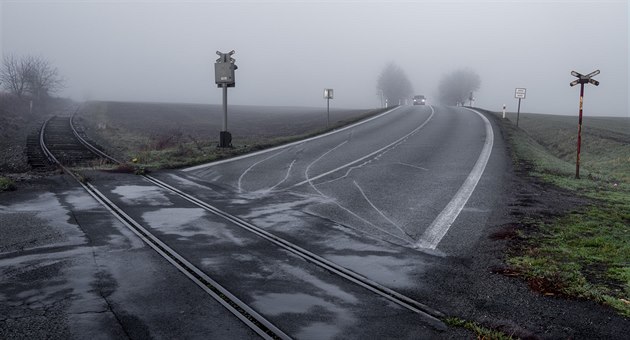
(328, 112)
(518, 112)
(225, 139)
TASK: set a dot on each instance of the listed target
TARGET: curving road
(404, 177)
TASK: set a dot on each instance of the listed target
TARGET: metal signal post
(582, 79)
(519, 93)
(224, 77)
(328, 95)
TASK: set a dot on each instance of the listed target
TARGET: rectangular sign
(520, 93)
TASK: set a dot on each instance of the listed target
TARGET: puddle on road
(142, 195)
(282, 303)
(184, 222)
(277, 304)
(345, 238)
(190, 222)
(187, 182)
(285, 216)
(388, 270)
(79, 200)
(329, 289)
(169, 218)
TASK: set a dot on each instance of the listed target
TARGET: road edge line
(442, 223)
(207, 165)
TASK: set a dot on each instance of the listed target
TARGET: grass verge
(586, 252)
(6, 184)
(480, 331)
(155, 153)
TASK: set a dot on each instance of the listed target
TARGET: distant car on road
(419, 100)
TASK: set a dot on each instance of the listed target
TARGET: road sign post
(224, 69)
(519, 93)
(328, 95)
(582, 79)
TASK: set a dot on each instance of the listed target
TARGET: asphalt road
(404, 178)
(363, 197)
(70, 270)
(407, 199)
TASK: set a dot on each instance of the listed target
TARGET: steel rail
(89, 146)
(51, 158)
(429, 313)
(246, 314)
(242, 311)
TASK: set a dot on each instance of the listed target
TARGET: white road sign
(520, 93)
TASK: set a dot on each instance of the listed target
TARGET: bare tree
(30, 74)
(13, 75)
(42, 78)
(455, 87)
(393, 84)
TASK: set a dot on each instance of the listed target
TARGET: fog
(288, 52)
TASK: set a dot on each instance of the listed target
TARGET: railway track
(59, 143)
(75, 150)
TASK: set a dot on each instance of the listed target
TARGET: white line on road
(240, 178)
(436, 231)
(341, 206)
(412, 166)
(368, 155)
(202, 166)
(284, 179)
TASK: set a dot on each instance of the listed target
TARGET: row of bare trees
(393, 85)
(454, 88)
(31, 77)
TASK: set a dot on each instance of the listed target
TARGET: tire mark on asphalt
(310, 182)
(284, 179)
(376, 154)
(240, 179)
(380, 212)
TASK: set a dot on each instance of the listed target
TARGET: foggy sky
(288, 52)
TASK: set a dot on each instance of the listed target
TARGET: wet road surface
(69, 269)
(363, 197)
(389, 178)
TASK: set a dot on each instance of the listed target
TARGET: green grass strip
(585, 253)
(6, 184)
(480, 331)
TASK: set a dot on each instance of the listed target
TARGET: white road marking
(412, 166)
(440, 226)
(380, 212)
(202, 166)
(370, 154)
(317, 160)
(337, 203)
(347, 172)
(284, 179)
(240, 178)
